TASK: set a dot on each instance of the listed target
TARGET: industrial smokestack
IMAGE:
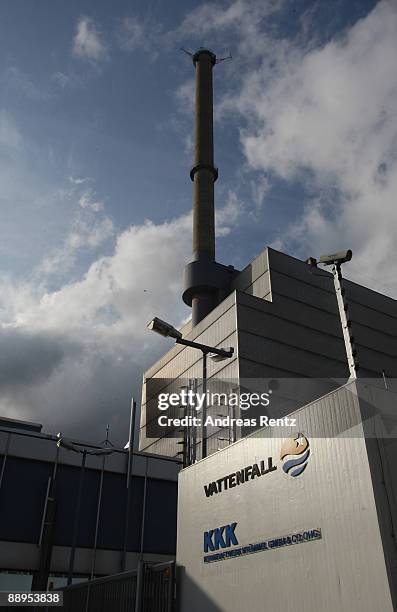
(203, 173)
(205, 281)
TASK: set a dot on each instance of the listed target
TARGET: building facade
(36, 475)
(282, 319)
(311, 527)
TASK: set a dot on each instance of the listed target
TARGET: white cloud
(238, 25)
(260, 188)
(88, 41)
(215, 16)
(61, 79)
(227, 218)
(100, 322)
(185, 97)
(131, 34)
(104, 314)
(89, 229)
(79, 180)
(87, 199)
(327, 117)
(134, 33)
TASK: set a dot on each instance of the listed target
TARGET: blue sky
(96, 122)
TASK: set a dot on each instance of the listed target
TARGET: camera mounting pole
(336, 260)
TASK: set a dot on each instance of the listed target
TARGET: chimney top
(203, 51)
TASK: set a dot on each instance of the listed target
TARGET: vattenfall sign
(294, 453)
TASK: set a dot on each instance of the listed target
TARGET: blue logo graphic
(296, 453)
(221, 537)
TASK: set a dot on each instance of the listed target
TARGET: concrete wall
(345, 570)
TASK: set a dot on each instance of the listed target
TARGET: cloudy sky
(95, 149)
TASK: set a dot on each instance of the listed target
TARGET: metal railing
(150, 588)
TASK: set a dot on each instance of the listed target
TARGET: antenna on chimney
(186, 51)
(222, 59)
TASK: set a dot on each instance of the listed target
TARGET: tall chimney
(205, 281)
(203, 173)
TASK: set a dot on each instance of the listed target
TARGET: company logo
(221, 537)
(240, 477)
(295, 453)
(265, 545)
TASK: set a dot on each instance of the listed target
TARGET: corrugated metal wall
(344, 570)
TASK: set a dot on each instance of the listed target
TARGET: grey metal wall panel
(261, 287)
(253, 369)
(374, 339)
(344, 570)
(366, 306)
(371, 299)
(281, 262)
(293, 359)
(382, 454)
(375, 319)
(289, 333)
(376, 361)
(257, 268)
(286, 308)
(321, 295)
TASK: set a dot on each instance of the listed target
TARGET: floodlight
(163, 328)
(224, 355)
(62, 442)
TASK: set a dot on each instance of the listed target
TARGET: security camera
(163, 328)
(336, 258)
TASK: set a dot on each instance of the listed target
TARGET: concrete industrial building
(285, 322)
(41, 519)
(279, 314)
(282, 319)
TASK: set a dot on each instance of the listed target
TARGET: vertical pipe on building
(76, 519)
(41, 576)
(98, 513)
(205, 407)
(3, 465)
(144, 509)
(128, 482)
(140, 566)
(194, 435)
